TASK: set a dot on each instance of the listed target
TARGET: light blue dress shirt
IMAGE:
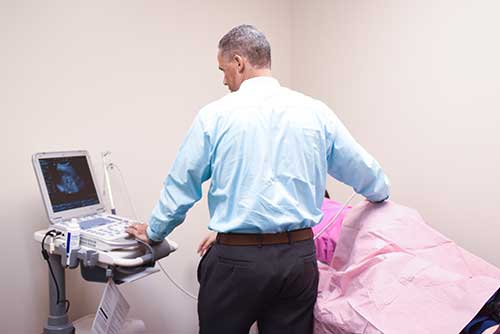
(267, 150)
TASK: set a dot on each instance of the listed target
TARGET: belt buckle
(260, 240)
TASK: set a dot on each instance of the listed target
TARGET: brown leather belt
(243, 239)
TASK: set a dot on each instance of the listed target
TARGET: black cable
(67, 305)
(45, 255)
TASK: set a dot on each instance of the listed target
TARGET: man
(267, 150)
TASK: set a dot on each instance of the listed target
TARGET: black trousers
(275, 285)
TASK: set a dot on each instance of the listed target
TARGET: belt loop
(289, 235)
(260, 240)
(217, 238)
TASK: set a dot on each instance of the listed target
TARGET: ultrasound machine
(106, 252)
(70, 194)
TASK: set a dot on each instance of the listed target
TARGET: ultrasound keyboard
(105, 232)
(107, 228)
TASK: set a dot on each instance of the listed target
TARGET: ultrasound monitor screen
(69, 182)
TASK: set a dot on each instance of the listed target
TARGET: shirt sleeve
(351, 164)
(182, 187)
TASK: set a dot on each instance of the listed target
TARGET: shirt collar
(262, 82)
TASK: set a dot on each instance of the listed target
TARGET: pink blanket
(326, 242)
(392, 273)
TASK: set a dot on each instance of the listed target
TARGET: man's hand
(206, 243)
(138, 231)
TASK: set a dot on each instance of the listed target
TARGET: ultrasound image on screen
(69, 183)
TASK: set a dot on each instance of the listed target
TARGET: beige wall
(414, 81)
(418, 84)
(124, 76)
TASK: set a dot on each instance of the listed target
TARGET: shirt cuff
(153, 236)
(380, 201)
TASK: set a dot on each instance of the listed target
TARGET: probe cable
(335, 217)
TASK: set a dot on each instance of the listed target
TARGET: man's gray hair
(245, 40)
